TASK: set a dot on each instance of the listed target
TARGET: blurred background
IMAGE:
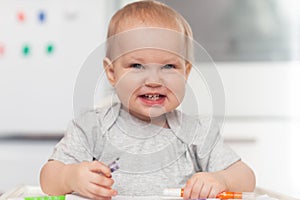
(255, 45)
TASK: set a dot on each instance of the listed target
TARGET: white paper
(21, 191)
(120, 197)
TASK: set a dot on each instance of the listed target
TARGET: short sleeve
(221, 156)
(211, 152)
(78, 143)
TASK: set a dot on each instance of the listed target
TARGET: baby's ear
(188, 67)
(109, 70)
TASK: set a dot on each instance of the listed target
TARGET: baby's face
(149, 82)
(149, 76)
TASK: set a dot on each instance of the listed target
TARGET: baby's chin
(150, 114)
(156, 111)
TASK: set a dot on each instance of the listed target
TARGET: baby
(148, 61)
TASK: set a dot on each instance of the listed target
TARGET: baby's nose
(153, 78)
(153, 84)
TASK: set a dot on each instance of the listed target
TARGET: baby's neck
(160, 121)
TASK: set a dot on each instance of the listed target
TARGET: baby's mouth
(152, 97)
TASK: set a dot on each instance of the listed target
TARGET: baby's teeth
(152, 97)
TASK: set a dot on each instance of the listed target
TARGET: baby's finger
(188, 188)
(98, 191)
(99, 167)
(214, 192)
(96, 197)
(86, 192)
(205, 191)
(101, 180)
(216, 189)
(197, 190)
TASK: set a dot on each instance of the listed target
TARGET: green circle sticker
(49, 49)
(26, 50)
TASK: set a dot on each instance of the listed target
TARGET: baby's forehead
(151, 55)
(138, 22)
(148, 38)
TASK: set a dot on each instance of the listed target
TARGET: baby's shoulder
(101, 116)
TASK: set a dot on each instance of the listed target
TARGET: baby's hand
(204, 185)
(92, 180)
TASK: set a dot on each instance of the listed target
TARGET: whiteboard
(42, 46)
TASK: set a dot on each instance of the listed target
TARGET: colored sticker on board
(2, 49)
(50, 49)
(42, 16)
(26, 50)
(21, 16)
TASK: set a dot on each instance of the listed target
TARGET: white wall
(263, 120)
(37, 89)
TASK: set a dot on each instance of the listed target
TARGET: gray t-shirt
(152, 158)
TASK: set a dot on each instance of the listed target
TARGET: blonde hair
(149, 12)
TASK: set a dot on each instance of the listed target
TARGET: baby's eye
(168, 66)
(137, 66)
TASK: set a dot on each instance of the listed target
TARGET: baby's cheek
(178, 90)
(126, 86)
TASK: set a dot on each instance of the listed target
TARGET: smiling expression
(148, 82)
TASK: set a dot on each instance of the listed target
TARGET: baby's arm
(237, 177)
(90, 179)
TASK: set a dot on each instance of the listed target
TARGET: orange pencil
(178, 192)
(236, 195)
